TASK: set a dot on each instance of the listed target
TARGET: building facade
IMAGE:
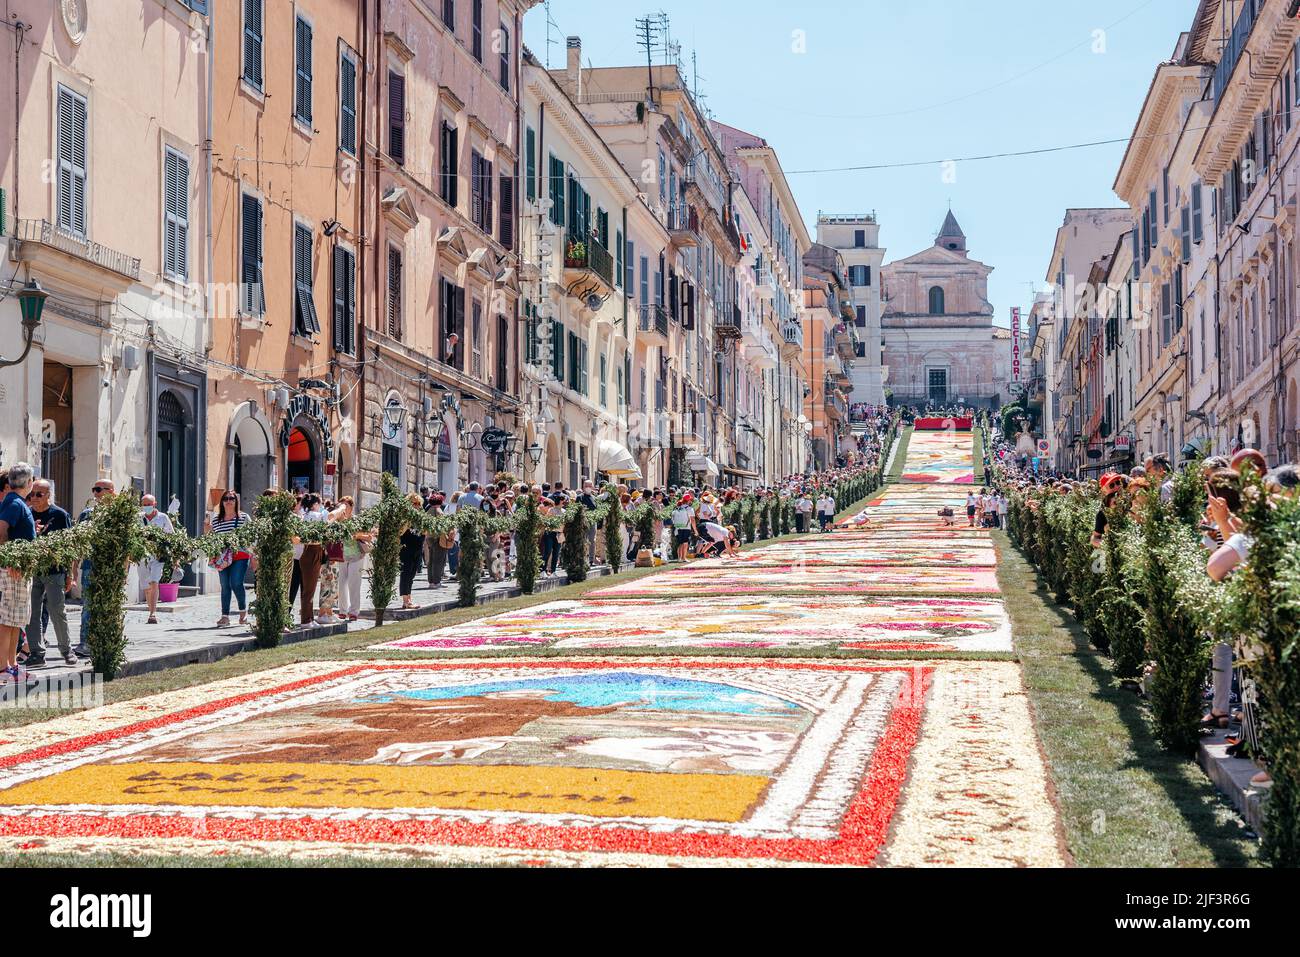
(940, 343)
(831, 352)
(857, 238)
(116, 383)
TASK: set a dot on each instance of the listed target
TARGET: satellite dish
(594, 302)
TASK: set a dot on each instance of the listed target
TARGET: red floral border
(863, 832)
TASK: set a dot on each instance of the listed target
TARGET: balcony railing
(47, 234)
(589, 254)
(727, 323)
(652, 318)
(793, 334)
(682, 219)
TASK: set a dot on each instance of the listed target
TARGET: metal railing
(653, 318)
(679, 219)
(588, 253)
(47, 234)
(793, 333)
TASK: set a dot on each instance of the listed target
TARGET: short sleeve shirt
(14, 511)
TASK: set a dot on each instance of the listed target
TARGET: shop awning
(739, 473)
(614, 459)
(701, 463)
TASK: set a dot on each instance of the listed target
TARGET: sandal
(243, 618)
(152, 620)
(223, 622)
(1213, 720)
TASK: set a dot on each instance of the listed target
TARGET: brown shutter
(397, 117)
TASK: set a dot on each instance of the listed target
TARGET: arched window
(936, 301)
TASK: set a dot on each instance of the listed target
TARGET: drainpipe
(207, 195)
(19, 29)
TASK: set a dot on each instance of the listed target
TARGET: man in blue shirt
(16, 525)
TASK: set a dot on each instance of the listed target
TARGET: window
(304, 313)
(449, 147)
(476, 339)
(476, 30)
(392, 459)
(862, 317)
(573, 361)
(629, 280)
(503, 76)
(1198, 214)
(395, 292)
(176, 214)
(557, 190)
(397, 117)
(344, 317)
(252, 299)
(604, 393)
(618, 258)
(643, 293)
(449, 14)
(348, 102)
(506, 214)
(253, 43)
(936, 301)
(503, 354)
(532, 335)
(860, 275)
(480, 187)
(302, 70)
(557, 351)
(72, 162)
(451, 311)
(859, 238)
(530, 164)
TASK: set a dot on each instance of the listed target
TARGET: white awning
(614, 459)
(701, 463)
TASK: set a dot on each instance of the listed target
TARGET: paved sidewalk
(187, 631)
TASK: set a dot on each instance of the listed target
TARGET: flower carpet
(584, 748)
(945, 458)
(733, 621)
(583, 761)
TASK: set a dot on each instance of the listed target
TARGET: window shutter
(504, 75)
(583, 385)
(305, 321)
(459, 300)
(395, 292)
(176, 213)
(618, 258)
(506, 233)
(345, 300)
(254, 299)
(347, 104)
(557, 351)
(253, 42)
(302, 56)
(530, 164)
(476, 189)
(1185, 233)
(485, 168)
(72, 162)
(1198, 213)
(397, 117)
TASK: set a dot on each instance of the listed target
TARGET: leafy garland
(528, 558)
(613, 530)
(271, 611)
(473, 550)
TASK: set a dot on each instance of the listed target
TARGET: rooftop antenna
(649, 30)
(550, 22)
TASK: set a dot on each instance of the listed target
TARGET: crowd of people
(1230, 695)
(326, 579)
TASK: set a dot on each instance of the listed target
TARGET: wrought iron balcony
(765, 284)
(652, 322)
(727, 323)
(792, 333)
(683, 225)
(588, 256)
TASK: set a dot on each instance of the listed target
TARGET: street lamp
(31, 303)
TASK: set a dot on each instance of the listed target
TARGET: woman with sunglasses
(231, 565)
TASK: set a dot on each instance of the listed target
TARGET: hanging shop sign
(311, 408)
(494, 439)
(1015, 344)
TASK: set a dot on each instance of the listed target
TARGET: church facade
(940, 342)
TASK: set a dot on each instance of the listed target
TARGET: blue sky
(900, 81)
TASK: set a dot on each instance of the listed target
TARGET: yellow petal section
(593, 791)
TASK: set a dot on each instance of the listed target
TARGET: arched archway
(173, 463)
(304, 463)
(250, 458)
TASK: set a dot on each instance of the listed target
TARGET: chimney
(573, 73)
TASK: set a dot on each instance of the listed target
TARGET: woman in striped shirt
(227, 518)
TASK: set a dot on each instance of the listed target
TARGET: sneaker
(81, 651)
(34, 663)
(71, 659)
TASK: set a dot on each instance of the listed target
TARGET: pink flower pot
(168, 591)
